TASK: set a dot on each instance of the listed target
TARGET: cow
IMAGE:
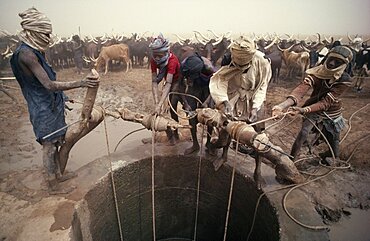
(274, 55)
(114, 52)
(276, 61)
(139, 49)
(212, 49)
(295, 60)
(317, 56)
(362, 67)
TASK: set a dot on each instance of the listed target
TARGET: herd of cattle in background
(103, 51)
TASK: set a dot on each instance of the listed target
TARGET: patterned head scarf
(339, 52)
(160, 45)
(242, 51)
(36, 29)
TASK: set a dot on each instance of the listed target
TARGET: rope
(350, 121)
(132, 132)
(113, 184)
(330, 148)
(153, 204)
(257, 204)
(294, 186)
(231, 189)
(198, 186)
(172, 108)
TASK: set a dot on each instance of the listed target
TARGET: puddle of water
(94, 144)
(354, 227)
(87, 149)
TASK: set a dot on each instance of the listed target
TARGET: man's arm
(165, 92)
(295, 97)
(155, 88)
(30, 65)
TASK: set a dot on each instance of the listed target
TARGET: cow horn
(6, 51)
(366, 40)
(8, 55)
(287, 49)
(227, 34)
(231, 42)
(85, 59)
(14, 40)
(70, 38)
(270, 45)
(327, 40)
(213, 33)
(305, 48)
(349, 38)
(180, 38)
(3, 32)
(144, 34)
(218, 40)
(196, 37)
(93, 59)
(207, 39)
(93, 39)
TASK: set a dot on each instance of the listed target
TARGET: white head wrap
(242, 51)
(36, 29)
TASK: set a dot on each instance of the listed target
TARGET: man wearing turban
(328, 81)
(165, 66)
(241, 85)
(44, 95)
(239, 88)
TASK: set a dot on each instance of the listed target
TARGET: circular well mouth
(178, 212)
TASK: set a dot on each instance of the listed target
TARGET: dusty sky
(96, 17)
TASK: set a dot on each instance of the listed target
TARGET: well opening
(175, 204)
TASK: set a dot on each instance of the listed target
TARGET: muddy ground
(29, 213)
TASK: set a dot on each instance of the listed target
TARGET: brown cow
(295, 60)
(114, 52)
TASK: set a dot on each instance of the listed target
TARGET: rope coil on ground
(294, 186)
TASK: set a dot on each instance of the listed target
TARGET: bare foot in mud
(218, 163)
(55, 188)
(146, 140)
(66, 176)
(60, 190)
(173, 141)
(191, 150)
(260, 182)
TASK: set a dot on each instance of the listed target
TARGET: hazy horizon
(97, 17)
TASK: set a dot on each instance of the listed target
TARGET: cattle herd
(104, 52)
